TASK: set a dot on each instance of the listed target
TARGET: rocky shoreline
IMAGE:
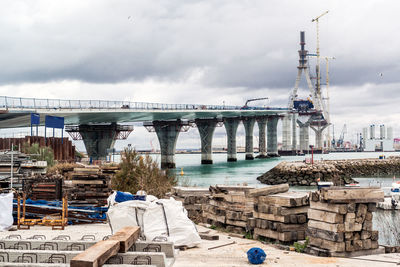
(338, 171)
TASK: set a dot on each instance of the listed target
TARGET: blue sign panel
(54, 122)
(35, 119)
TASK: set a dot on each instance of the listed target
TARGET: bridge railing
(36, 103)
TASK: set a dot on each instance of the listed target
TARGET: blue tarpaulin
(122, 197)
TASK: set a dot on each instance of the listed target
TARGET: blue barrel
(256, 255)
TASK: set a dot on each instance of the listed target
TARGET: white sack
(6, 209)
(128, 213)
(168, 218)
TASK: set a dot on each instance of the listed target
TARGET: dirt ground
(235, 255)
(231, 255)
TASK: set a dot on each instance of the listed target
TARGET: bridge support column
(249, 127)
(99, 137)
(318, 136)
(294, 132)
(286, 127)
(304, 134)
(167, 133)
(206, 129)
(231, 125)
(262, 147)
(272, 136)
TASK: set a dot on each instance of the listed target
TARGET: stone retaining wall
(338, 171)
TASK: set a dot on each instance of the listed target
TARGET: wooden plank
(214, 217)
(327, 244)
(269, 190)
(97, 254)
(359, 195)
(284, 236)
(272, 217)
(325, 216)
(337, 228)
(288, 199)
(209, 236)
(338, 208)
(126, 237)
(328, 235)
(277, 210)
(284, 227)
(233, 197)
(364, 252)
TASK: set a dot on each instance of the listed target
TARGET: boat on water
(395, 192)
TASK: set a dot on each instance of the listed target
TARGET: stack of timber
(340, 222)
(279, 214)
(88, 186)
(44, 188)
(192, 198)
(229, 207)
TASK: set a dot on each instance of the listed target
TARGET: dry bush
(60, 168)
(141, 173)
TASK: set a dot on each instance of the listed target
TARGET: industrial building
(372, 142)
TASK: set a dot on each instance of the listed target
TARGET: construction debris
(88, 186)
(340, 222)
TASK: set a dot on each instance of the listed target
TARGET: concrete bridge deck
(15, 112)
(97, 123)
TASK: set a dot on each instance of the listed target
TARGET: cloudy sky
(209, 52)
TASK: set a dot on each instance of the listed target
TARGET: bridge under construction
(100, 123)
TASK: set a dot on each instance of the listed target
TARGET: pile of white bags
(6, 210)
(164, 219)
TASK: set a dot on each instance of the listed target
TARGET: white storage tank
(372, 131)
(382, 132)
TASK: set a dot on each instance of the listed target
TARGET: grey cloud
(238, 44)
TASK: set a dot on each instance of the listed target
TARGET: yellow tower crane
(318, 54)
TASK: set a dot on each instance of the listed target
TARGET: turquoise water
(246, 171)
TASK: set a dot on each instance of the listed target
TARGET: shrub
(300, 247)
(39, 153)
(139, 172)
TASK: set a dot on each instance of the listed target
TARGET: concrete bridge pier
(231, 125)
(248, 123)
(304, 134)
(167, 133)
(206, 129)
(262, 144)
(318, 135)
(286, 127)
(98, 138)
(294, 132)
(272, 136)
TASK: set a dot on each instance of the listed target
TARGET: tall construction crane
(251, 100)
(318, 54)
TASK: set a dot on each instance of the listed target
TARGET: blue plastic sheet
(122, 197)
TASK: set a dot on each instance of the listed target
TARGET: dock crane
(251, 100)
(341, 138)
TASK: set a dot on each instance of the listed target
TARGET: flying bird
(381, 74)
